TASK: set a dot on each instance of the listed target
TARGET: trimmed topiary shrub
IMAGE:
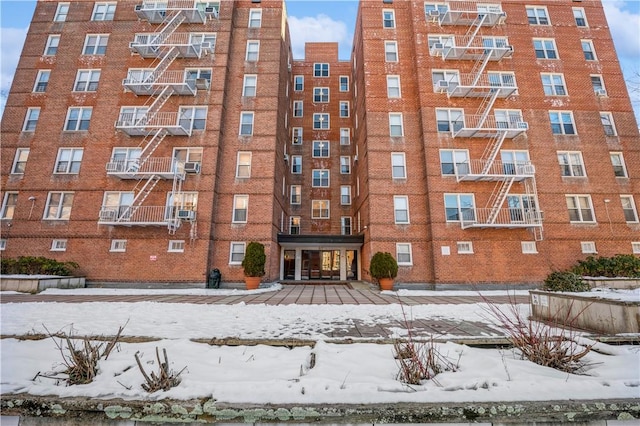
(621, 265)
(383, 265)
(254, 260)
(565, 281)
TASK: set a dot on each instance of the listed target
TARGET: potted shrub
(253, 264)
(384, 268)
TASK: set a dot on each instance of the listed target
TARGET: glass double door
(320, 265)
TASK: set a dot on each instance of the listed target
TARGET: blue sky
(326, 20)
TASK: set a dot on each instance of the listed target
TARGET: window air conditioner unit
(192, 167)
(601, 92)
(438, 46)
(202, 83)
(527, 169)
(106, 215)
(205, 46)
(139, 7)
(443, 85)
(186, 214)
(435, 13)
(211, 11)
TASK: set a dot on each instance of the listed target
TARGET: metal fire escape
(159, 84)
(522, 209)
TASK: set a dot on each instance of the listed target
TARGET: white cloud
(624, 25)
(11, 42)
(320, 28)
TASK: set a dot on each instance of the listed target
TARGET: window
(345, 165)
(297, 108)
(545, 48)
(598, 85)
(464, 247)
(502, 79)
(321, 121)
(298, 83)
(321, 70)
(345, 195)
(444, 80)
(321, 94)
(435, 9)
(629, 208)
(118, 246)
(553, 84)
(537, 15)
(395, 124)
(588, 247)
(403, 254)
(236, 253)
(401, 209)
(58, 206)
(296, 136)
(635, 247)
(176, 246)
(206, 41)
(243, 165)
(95, 44)
(390, 51)
(460, 207)
(3, 244)
(9, 205)
(344, 83)
(345, 225)
(86, 81)
(20, 161)
(51, 48)
(124, 159)
(246, 123)
(571, 163)
(177, 201)
(588, 50)
(296, 164)
(186, 155)
(398, 166)
(580, 208)
(513, 162)
(296, 194)
(116, 205)
(509, 119)
(345, 136)
(580, 17)
(240, 206)
(249, 85)
(454, 161)
(344, 109)
(192, 118)
(42, 80)
(320, 149)
(393, 86)
(255, 18)
(253, 50)
(31, 119)
(320, 178)
(319, 209)
(522, 208)
(449, 120)
(619, 168)
(68, 161)
(294, 225)
(103, 11)
(562, 123)
(59, 245)
(61, 12)
(529, 247)
(607, 123)
(388, 18)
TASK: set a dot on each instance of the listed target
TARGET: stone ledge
(37, 283)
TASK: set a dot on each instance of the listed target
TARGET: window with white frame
(42, 81)
(191, 75)
(253, 51)
(464, 247)
(598, 85)
(296, 136)
(296, 194)
(393, 86)
(537, 15)
(61, 12)
(444, 80)
(529, 247)
(296, 164)
(86, 81)
(68, 161)
(509, 118)
(502, 79)
(345, 164)
(588, 247)
(454, 162)
(3, 244)
(240, 208)
(297, 108)
(20, 161)
(396, 128)
(580, 208)
(545, 48)
(495, 42)
(249, 85)
(629, 208)
(103, 11)
(432, 10)
(345, 225)
(51, 48)
(401, 209)
(449, 120)
(192, 118)
(118, 246)
(95, 44)
(320, 149)
(562, 123)
(321, 94)
(345, 195)
(255, 18)
(588, 50)
(522, 208)
(580, 17)
(619, 167)
(246, 123)
(388, 18)
(186, 155)
(207, 41)
(175, 246)
(344, 83)
(460, 207)
(513, 161)
(398, 165)
(9, 203)
(319, 209)
(298, 83)
(390, 51)
(345, 136)
(344, 109)
(320, 178)
(178, 202)
(607, 124)
(124, 159)
(236, 252)
(571, 164)
(553, 84)
(635, 247)
(58, 245)
(321, 121)
(294, 225)
(116, 205)
(445, 40)
(403, 254)
(243, 165)
(31, 119)
(58, 206)
(321, 69)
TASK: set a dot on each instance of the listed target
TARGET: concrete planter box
(586, 311)
(619, 283)
(37, 283)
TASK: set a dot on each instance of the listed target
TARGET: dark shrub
(564, 281)
(254, 260)
(383, 265)
(30, 265)
(621, 265)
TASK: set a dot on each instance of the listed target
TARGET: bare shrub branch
(164, 380)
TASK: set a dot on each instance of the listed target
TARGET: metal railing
(158, 165)
(128, 215)
(506, 218)
(318, 227)
(499, 168)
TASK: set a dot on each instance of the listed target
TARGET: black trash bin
(214, 278)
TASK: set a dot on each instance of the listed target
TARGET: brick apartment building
(475, 141)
